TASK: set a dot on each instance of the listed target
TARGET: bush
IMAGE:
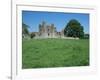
(32, 35)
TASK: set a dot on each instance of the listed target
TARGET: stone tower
(47, 31)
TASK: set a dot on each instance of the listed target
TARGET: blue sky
(59, 19)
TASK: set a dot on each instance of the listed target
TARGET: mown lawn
(43, 53)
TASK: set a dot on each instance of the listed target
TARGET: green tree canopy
(25, 29)
(74, 29)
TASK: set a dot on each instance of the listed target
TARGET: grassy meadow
(44, 53)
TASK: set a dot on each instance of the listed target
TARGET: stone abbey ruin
(48, 31)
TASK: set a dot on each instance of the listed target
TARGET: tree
(86, 36)
(74, 29)
(32, 35)
(25, 28)
(25, 32)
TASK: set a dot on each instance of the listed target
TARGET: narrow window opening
(48, 34)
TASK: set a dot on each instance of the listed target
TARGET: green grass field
(43, 53)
